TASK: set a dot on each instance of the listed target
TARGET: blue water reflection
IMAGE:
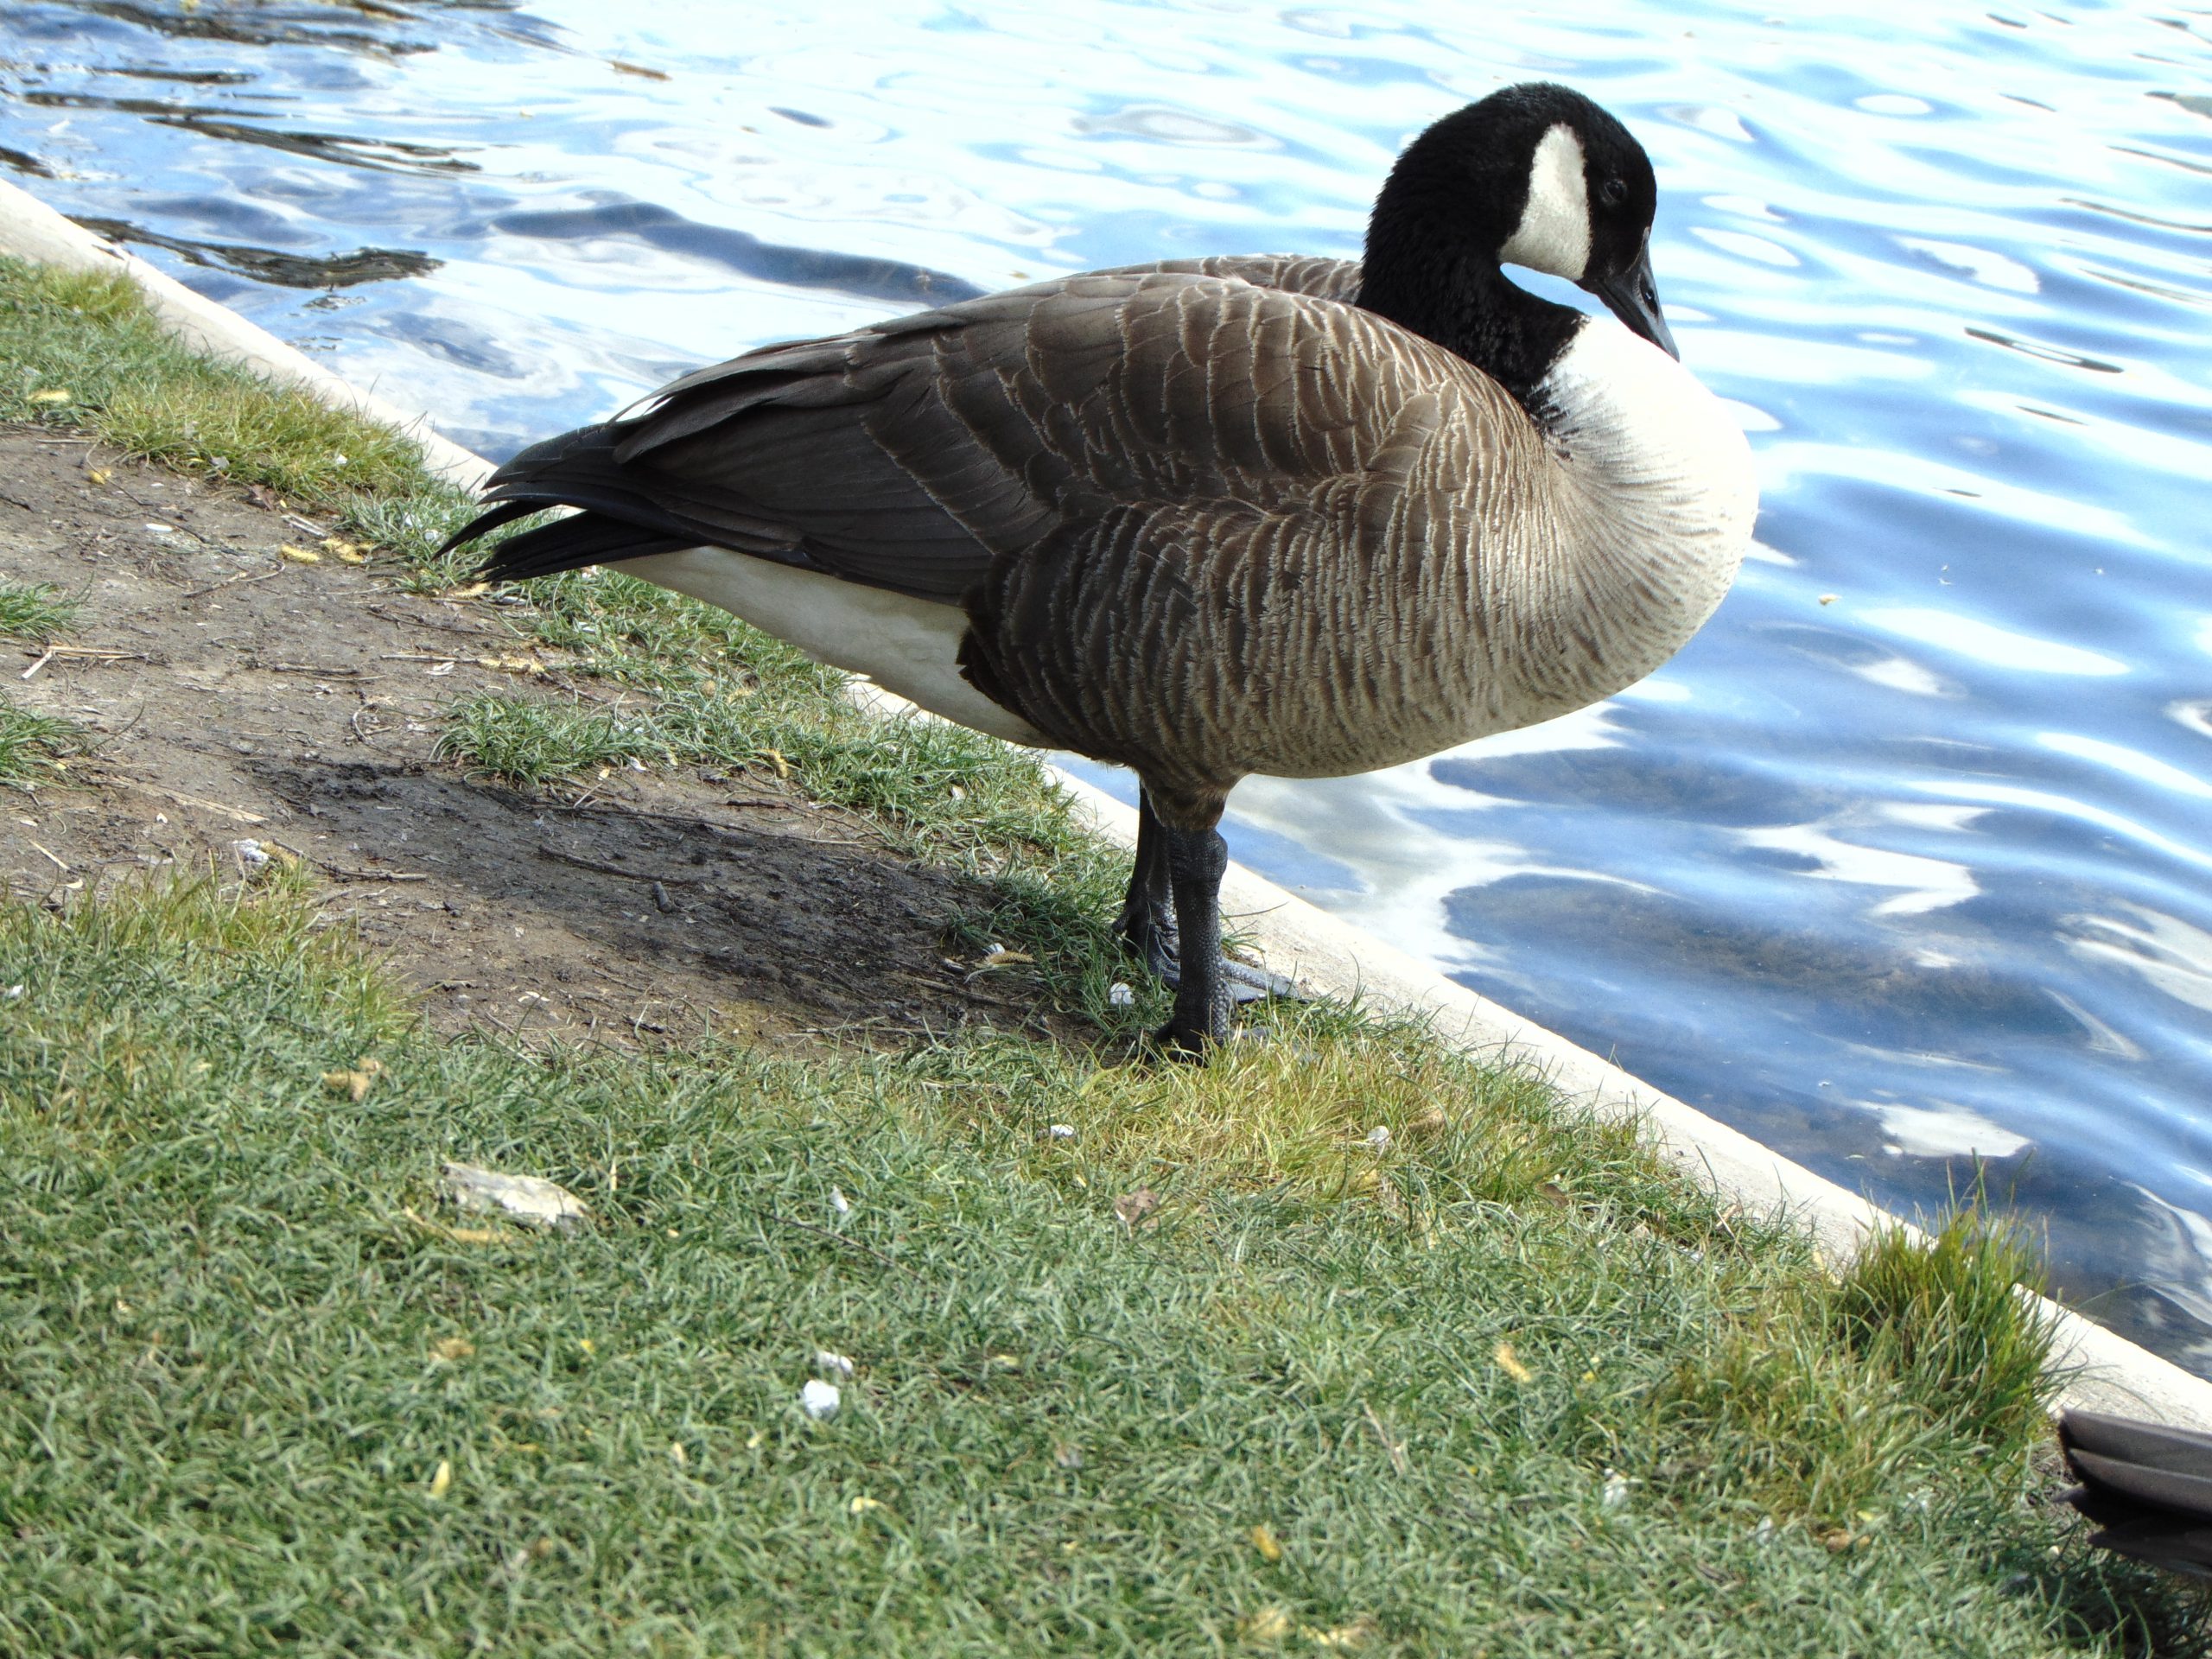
(1903, 859)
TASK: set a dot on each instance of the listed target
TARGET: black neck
(1472, 308)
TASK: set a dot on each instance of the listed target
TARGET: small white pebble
(1062, 1131)
(1119, 996)
(831, 1364)
(636, 765)
(819, 1399)
(163, 529)
(1616, 1493)
(1378, 1138)
(1763, 1532)
(840, 1206)
(11, 993)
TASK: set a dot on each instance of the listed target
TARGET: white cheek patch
(1554, 234)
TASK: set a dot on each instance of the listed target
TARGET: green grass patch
(36, 611)
(1950, 1313)
(31, 743)
(1306, 1395)
(80, 349)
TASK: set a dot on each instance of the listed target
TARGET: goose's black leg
(1147, 919)
(1195, 860)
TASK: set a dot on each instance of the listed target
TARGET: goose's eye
(1613, 192)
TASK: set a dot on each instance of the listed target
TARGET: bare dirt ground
(235, 696)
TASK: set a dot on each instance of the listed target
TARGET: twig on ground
(84, 653)
(616, 869)
(237, 814)
(1396, 1448)
(339, 873)
(230, 582)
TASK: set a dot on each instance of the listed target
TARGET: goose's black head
(1536, 175)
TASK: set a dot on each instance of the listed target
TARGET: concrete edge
(2103, 1370)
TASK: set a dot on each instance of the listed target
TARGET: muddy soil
(235, 696)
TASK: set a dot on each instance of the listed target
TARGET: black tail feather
(2148, 1486)
(573, 543)
(623, 513)
(488, 520)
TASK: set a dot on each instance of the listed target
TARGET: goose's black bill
(2147, 1486)
(1633, 296)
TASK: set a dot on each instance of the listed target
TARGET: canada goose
(2147, 1486)
(1215, 517)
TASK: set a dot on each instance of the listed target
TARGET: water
(1905, 858)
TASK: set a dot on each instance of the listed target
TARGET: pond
(1901, 867)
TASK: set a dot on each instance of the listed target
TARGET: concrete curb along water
(2109, 1373)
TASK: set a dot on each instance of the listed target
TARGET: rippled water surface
(1906, 857)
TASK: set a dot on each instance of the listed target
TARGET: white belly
(910, 646)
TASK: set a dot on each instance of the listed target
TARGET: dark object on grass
(2146, 1485)
(1212, 517)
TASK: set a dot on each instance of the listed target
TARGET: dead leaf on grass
(1269, 1624)
(97, 475)
(1136, 1209)
(1264, 1541)
(354, 1081)
(1344, 1637)
(1509, 1362)
(1429, 1124)
(294, 555)
(452, 1348)
(999, 957)
(52, 396)
(458, 1235)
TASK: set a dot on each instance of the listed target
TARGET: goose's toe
(1151, 935)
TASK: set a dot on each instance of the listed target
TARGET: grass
(79, 350)
(31, 743)
(1220, 1369)
(34, 610)
(1318, 1398)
